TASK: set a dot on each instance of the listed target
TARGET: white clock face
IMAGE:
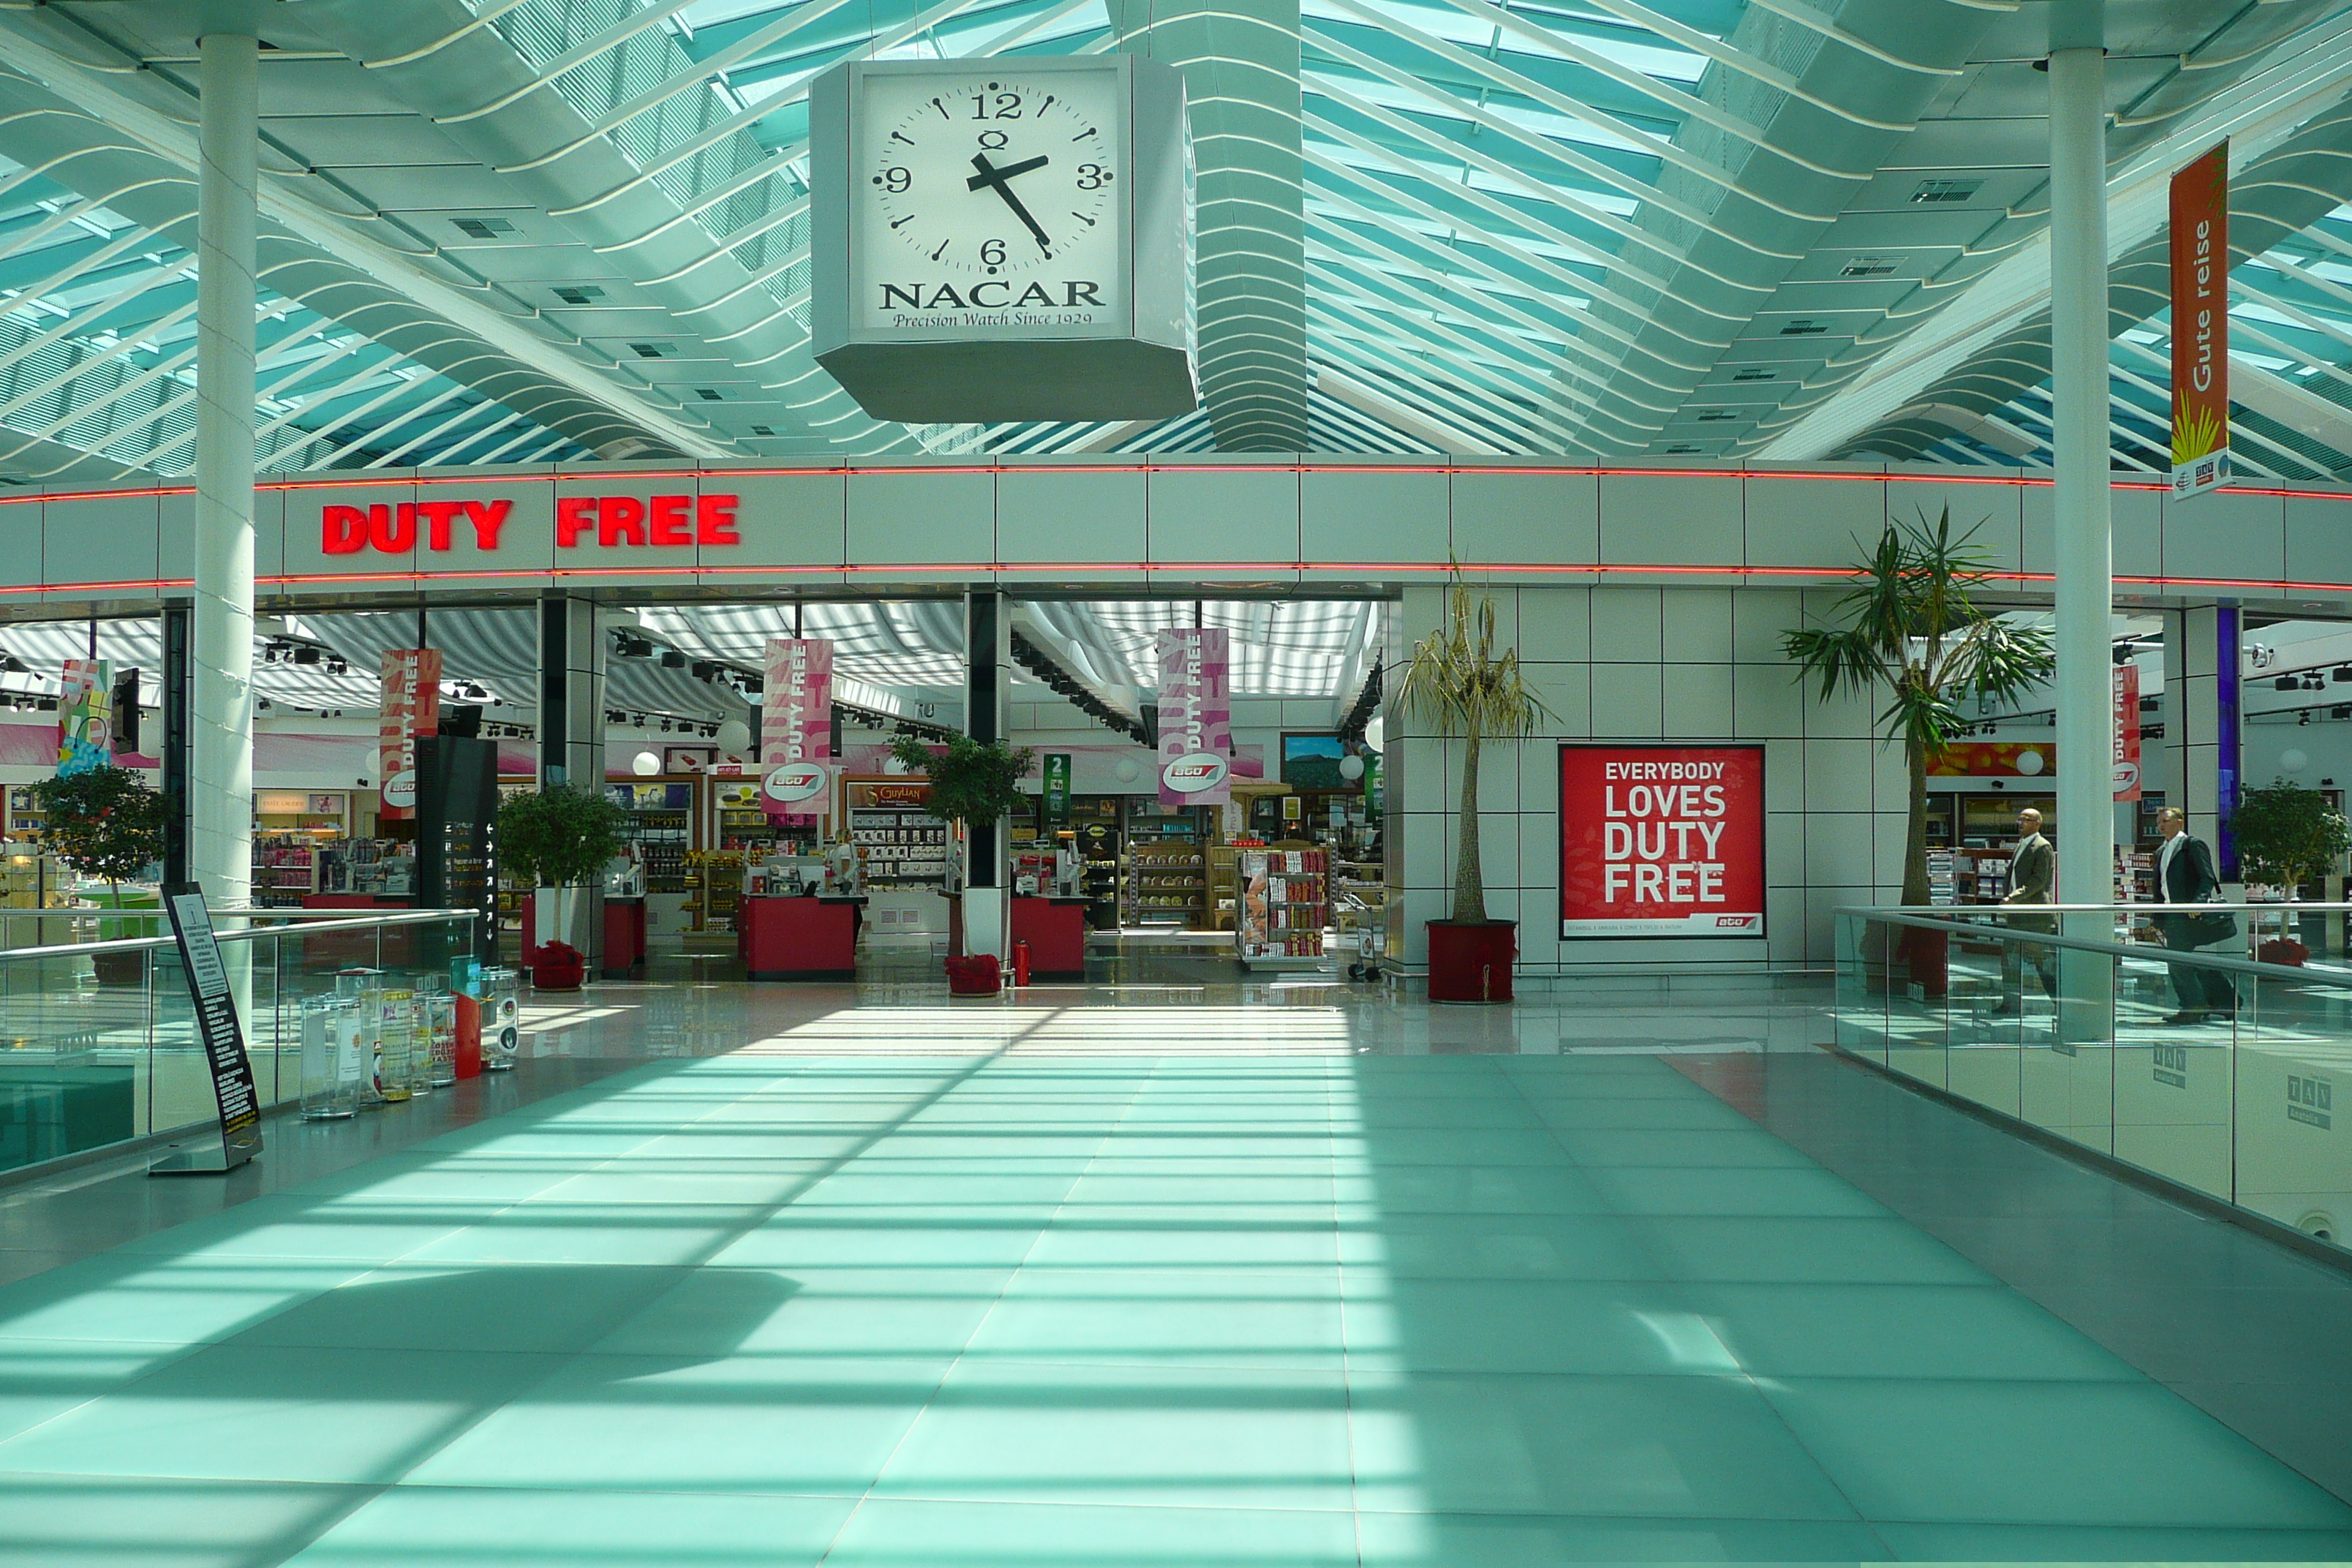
(992, 200)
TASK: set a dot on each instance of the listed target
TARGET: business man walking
(2185, 875)
(2032, 874)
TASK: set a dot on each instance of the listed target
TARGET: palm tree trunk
(1914, 836)
(1469, 881)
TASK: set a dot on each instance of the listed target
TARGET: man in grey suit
(2032, 872)
(2185, 875)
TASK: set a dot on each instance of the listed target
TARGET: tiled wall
(1652, 664)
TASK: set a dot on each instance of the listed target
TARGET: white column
(220, 792)
(2078, 367)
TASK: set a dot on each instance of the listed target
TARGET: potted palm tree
(2288, 835)
(971, 783)
(1462, 688)
(559, 838)
(105, 822)
(1911, 628)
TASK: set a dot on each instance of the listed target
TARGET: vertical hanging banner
(797, 729)
(2127, 690)
(2201, 325)
(1196, 716)
(1055, 792)
(410, 707)
(85, 718)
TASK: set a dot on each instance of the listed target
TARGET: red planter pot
(1928, 956)
(1472, 962)
(557, 966)
(976, 975)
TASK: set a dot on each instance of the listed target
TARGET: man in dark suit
(2033, 875)
(2185, 875)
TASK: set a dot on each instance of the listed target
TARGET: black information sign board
(457, 832)
(222, 1036)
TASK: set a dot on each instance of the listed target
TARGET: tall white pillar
(2078, 371)
(220, 783)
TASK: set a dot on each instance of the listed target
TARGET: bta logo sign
(794, 781)
(607, 521)
(1194, 773)
(1661, 841)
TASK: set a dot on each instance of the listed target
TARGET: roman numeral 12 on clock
(1004, 238)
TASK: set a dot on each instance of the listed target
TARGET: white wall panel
(1628, 701)
(912, 517)
(1696, 701)
(2225, 535)
(1501, 515)
(1628, 626)
(1072, 514)
(1376, 513)
(1230, 512)
(1679, 521)
(21, 557)
(1555, 624)
(2318, 541)
(794, 520)
(1812, 523)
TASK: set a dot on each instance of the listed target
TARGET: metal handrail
(1899, 915)
(363, 921)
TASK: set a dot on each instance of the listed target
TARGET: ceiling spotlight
(307, 654)
(2287, 683)
(336, 665)
(2342, 675)
(673, 660)
(2303, 719)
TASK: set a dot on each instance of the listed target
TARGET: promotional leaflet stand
(222, 1037)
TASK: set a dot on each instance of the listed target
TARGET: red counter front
(1055, 931)
(624, 936)
(798, 939)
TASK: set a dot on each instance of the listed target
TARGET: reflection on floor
(1195, 1283)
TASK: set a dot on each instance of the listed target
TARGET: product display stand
(1285, 909)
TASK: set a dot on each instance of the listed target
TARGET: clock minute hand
(995, 179)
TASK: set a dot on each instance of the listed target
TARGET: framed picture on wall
(1660, 840)
(689, 759)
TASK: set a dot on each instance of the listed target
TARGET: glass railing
(2208, 1067)
(98, 1041)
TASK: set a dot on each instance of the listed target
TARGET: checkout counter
(799, 916)
(1049, 914)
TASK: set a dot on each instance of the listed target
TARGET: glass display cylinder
(334, 1064)
(437, 1014)
(364, 989)
(501, 994)
(396, 1047)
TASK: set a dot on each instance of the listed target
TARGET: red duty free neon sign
(607, 521)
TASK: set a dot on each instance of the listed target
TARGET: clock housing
(1004, 238)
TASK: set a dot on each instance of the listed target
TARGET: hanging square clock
(1004, 238)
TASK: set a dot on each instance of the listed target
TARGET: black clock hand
(995, 178)
(992, 176)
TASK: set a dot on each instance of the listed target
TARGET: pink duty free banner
(797, 729)
(411, 707)
(1196, 716)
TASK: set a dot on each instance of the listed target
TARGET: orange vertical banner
(2201, 324)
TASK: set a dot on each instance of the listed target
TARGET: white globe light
(1128, 771)
(891, 764)
(1376, 733)
(2293, 761)
(1351, 766)
(645, 764)
(2029, 762)
(735, 736)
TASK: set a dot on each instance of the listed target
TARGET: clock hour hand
(995, 178)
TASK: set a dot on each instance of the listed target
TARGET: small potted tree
(104, 823)
(2288, 835)
(559, 838)
(971, 783)
(1459, 686)
(1913, 632)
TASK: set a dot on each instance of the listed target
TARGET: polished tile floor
(1267, 1279)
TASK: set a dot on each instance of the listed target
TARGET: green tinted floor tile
(410, 1525)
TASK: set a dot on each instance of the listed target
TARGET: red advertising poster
(797, 729)
(2127, 686)
(2201, 324)
(411, 707)
(1660, 840)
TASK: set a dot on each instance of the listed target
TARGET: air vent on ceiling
(1868, 267)
(1715, 415)
(1803, 327)
(482, 228)
(1681, 449)
(577, 293)
(1933, 193)
(708, 394)
(761, 431)
(1753, 375)
(649, 350)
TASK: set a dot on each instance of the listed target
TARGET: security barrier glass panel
(2204, 1067)
(98, 1040)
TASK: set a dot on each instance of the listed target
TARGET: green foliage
(1912, 628)
(2288, 835)
(1459, 686)
(558, 836)
(103, 823)
(970, 782)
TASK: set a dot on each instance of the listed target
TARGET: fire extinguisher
(1020, 963)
